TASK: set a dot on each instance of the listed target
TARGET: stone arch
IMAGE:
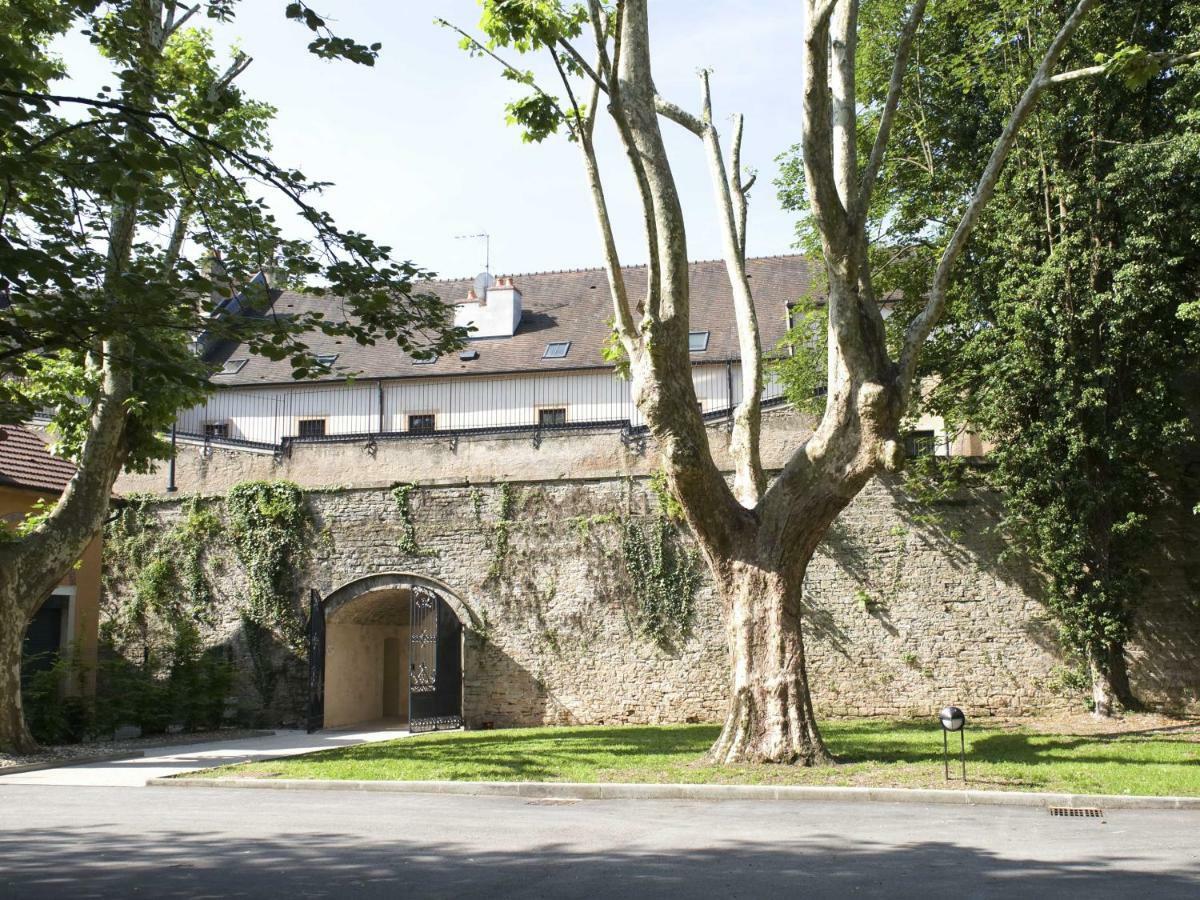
(379, 652)
(351, 590)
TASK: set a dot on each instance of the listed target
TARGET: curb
(77, 761)
(605, 791)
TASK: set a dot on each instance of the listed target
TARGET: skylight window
(556, 350)
(327, 359)
(428, 361)
(232, 367)
(697, 341)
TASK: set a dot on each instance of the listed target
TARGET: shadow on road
(58, 862)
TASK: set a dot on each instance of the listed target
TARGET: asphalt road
(82, 842)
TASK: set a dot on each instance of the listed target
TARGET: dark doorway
(44, 636)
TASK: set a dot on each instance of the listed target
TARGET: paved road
(166, 842)
(161, 762)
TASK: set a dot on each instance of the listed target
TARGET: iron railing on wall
(278, 415)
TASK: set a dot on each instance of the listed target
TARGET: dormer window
(557, 350)
(697, 341)
(232, 367)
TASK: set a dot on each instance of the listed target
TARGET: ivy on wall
(165, 567)
(402, 494)
(269, 523)
(665, 577)
(501, 532)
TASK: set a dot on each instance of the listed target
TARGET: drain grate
(552, 801)
(1088, 812)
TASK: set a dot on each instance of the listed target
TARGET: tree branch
(888, 116)
(844, 46)
(1164, 59)
(749, 481)
(918, 330)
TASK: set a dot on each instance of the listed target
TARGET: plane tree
(113, 205)
(759, 534)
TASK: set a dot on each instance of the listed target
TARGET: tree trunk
(1110, 682)
(770, 717)
(14, 733)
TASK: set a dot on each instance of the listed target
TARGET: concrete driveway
(164, 761)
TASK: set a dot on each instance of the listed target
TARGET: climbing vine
(501, 531)
(402, 494)
(665, 574)
(164, 566)
(269, 523)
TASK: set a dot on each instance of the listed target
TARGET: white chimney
(496, 314)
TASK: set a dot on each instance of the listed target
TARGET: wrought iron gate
(434, 664)
(316, 663)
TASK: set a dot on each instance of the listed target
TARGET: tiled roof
(570, 306)
(25, 462)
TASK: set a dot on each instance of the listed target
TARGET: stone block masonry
(902, 616)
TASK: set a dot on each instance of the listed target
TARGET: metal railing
(274, 416)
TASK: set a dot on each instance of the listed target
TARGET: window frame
(219, 430)
(914, 443)
(542, 410)
(300, 423)
(408, 422)
(546, 354)
(692, 334)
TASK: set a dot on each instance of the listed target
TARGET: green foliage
(164, 567)
(800, 359)
(665, 577)
(54, 716)
(184, 686)
(613, 352)
(180, 151)
(501, 532)
(402, 494)
(668, 504)
(524, 27)
(1071, 318)
(269, 524)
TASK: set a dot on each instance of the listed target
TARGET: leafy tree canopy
(172, 138)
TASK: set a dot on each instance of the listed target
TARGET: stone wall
(903, 615)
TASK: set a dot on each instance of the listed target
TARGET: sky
(419, 152)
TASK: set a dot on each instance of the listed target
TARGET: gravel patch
(66, 753)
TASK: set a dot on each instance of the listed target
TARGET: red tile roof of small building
(26, 462)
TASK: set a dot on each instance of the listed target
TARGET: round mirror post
(952, 719)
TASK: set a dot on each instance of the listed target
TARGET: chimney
(496, 314)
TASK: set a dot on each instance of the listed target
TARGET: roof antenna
(487, 247)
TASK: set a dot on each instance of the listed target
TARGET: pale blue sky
(419, 152)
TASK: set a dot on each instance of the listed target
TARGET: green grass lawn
(869, 752)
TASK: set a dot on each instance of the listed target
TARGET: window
(919, 443)
(551, 417)
(216, 429)
(327, 359)
(697, 341)
(232, 367)
(557, 350)
(422, 424)
(468, 355)
(426, 362)
(312, 428)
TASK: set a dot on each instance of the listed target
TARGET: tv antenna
(487, 247)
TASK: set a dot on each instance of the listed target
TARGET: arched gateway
(387, 646)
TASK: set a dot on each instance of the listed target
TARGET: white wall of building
(269, 414)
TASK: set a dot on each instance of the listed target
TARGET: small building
(66, 621)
